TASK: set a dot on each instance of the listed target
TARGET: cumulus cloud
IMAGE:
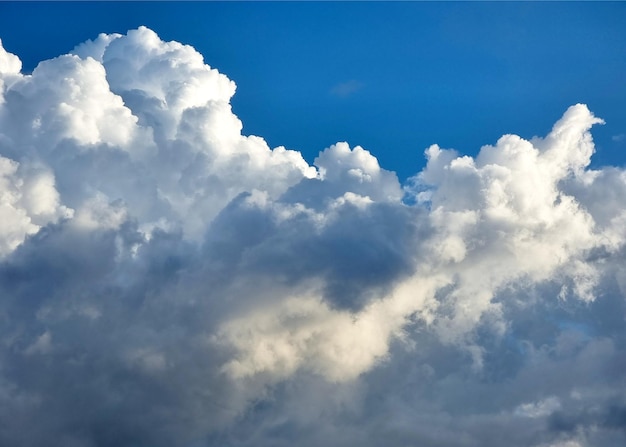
(166, 280)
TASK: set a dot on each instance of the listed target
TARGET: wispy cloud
(345, 89)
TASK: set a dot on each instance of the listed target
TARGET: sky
(276, 224)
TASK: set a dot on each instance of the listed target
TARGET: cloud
(348, 88)
(29, 201)
(166, 280)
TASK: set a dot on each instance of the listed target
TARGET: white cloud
(166, 280)
(544, 407)
(9, 63)
(28, 201)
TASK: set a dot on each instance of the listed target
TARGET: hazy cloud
(345, 89)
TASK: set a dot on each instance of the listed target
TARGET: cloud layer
(168, 281)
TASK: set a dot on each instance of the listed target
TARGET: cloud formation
(168, 281)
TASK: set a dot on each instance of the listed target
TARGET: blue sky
(456, 74)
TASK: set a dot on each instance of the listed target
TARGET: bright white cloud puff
(168, 281)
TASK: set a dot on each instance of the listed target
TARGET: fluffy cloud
(28, 201)
(166, 280)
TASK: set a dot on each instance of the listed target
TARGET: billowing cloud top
(168, 281)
